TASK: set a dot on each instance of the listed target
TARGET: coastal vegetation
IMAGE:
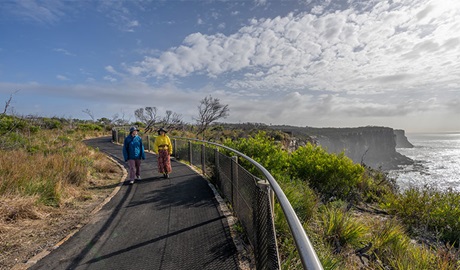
(355, 216)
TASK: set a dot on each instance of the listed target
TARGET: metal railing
(251, 198)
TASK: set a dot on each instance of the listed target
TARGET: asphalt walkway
(156, 223)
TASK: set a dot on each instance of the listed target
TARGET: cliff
(372, 146)
(401, 139)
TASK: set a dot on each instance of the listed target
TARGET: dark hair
(161, 129)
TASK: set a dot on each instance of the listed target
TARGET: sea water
(437, 162)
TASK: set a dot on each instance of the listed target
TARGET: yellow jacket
(162, 142)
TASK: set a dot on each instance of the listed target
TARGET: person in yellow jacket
(163, 147)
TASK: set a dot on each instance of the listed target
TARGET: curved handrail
(306, 251)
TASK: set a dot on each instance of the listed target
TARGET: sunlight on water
(437, 163)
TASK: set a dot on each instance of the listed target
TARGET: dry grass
(81, 179)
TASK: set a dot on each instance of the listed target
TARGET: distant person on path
(133, 152)
(163, 147)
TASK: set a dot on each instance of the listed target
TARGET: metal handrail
(307, 253)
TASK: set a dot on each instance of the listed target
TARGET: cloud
(62, 78)
(38, 11)
(386, 46)
(110, 78)
(63, 51)
(120, 14)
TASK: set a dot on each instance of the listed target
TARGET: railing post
(217, 165)
(203, 159)
(190, 152)
(264, 185)
(148, 142)
(263, 217)
(234, 176)
(174, 142)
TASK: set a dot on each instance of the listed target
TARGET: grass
(48, 166)
(429, 211)
(49, 182)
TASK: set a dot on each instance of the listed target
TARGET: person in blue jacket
(133, 152)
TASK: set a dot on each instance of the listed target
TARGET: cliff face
(372, 146)
(401, 139)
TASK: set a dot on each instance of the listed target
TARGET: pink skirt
(164, 162)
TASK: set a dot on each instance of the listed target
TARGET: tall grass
(46, 166)
(429, 211)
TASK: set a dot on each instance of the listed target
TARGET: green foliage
(52, 123)
(264, 150)
(331, 175)
(340, 229)
(89, 127)
(11, 124)
(437, 211)
(302, 198)
(139, 124)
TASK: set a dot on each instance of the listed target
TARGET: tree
(171, 120)
(89, 113)
(210, 110)
(152, 120)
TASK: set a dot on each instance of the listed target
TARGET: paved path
(156, 223)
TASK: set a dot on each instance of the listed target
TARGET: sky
(328, 63)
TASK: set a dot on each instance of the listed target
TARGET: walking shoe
(138, 178)
(167, 176)
(131, 182)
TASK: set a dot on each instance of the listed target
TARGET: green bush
(89, 127)
(265, 151)
(334, 176)
(340, 228)
(431, 209)
(52, 123)
(11, 124)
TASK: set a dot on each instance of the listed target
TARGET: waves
(437, 162)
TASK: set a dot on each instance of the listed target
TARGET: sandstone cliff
(401, 139)
(372, 146)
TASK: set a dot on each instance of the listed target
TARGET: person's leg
(132, 170)
(167, 164)
(138, 169)
(160, 162)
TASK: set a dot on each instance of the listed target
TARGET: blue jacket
(133, 148)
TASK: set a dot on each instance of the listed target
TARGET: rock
(401, 139)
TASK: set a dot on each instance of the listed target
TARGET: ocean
(437, 162)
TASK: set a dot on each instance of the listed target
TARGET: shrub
(340, 229)
(431, 209)
(335, 176)
(264, 150)
(89, 127)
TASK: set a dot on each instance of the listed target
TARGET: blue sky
(305, 63)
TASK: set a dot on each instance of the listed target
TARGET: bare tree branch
(210, 110)
(8, 103)
(88, 112)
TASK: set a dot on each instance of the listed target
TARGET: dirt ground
(32, 231)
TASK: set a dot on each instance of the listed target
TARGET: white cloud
(62, 78)
(63, 51)
(110, 78)
(39, 11)
(386, 48)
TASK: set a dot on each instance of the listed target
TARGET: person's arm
(155, 145)
(125, 150)
(170, 148)
(142, 150)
